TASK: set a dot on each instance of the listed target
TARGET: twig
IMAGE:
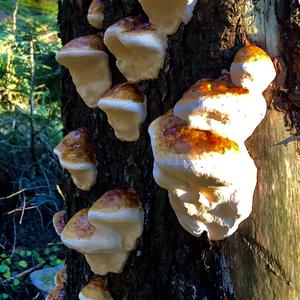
(20, 209)
(23, 190)
(28, 271)
(23, 209)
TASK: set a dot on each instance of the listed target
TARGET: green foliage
(22, 260)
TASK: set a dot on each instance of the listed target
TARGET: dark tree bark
(169, 263)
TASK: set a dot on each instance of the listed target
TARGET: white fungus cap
(83, 237)
(252, 69)
(126, 109)
(139, 49)
(88, 63)
(120, 210)
(210, 179)
(76, 154)
(166, 16)
(95, 14)
(217, 106)
(95, 290)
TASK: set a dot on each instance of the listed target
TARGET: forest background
(30, 126)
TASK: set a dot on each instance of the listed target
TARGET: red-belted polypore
(139, 49)
(88, 63)
(75, 153)
(95, 290)
(126, 108)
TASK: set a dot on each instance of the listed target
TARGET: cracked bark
(259, 260)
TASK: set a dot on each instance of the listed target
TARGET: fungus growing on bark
(218, 106)
(101, 246)
(60, 277)
(252, 68)
(139, 49)
(166, 16)
(59, 221)
(125, 106)
(88, 63)
(95, 290)
(120, 210)
(95, 14)
(76, 154)
(210, 179)
(58, 293)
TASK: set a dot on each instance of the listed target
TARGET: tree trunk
(260, 260)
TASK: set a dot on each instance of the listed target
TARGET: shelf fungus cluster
(107, 231)
(125, 106)
(199, 151)
(58, 292)
(76, 155)
(95, 290)
(88, 63)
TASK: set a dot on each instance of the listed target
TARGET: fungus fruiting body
(88, 63)
(95, 14)
(95, 290)
(218, 106)
(58, 293)
(107, 232)
(252, 68)
(59, 221)
(60, 277)
(126, 109)
(76, 154)
(139, 49)
(120, 210)
(166, 16)
(205, 187)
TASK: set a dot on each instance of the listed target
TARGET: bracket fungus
(139, 49)
(59, 221)
(206, 189)
(88, 63)
(76, 154)
(125, 106)
(166, 16)
(95, 14)
(218, 106)
(58, 293)
(107, 232)
(60, 277)
(95, 290)
(252, 68)
(120, 210)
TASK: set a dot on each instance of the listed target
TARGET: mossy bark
(168, 262)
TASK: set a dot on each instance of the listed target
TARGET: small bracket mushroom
(95, 290)
(166, 16)
(76, 154)
(59, 221)
(125, 106)
(95, 14)
(107, 232)
(88, 63)
(139, 49)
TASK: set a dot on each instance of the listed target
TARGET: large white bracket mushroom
(95, 14)
(218, 106)
(107, 232)
(95, 290)
(199, 151)
(166, 16)
(125, 106)
(139, 49)
(76, 154)
(88, 63)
